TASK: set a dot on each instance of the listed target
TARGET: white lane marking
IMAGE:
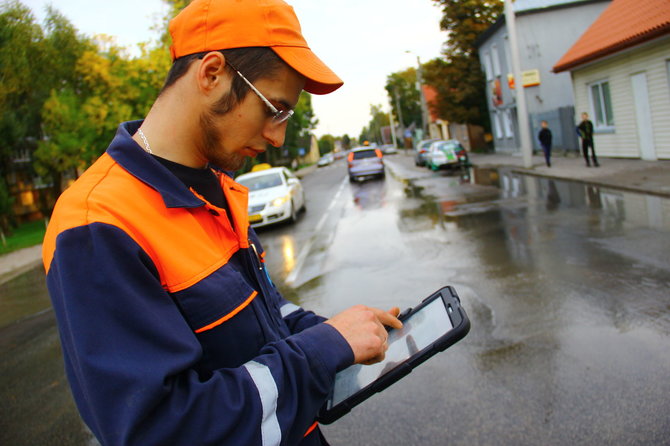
(304, 252)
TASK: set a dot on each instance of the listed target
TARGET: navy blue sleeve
(130, 357)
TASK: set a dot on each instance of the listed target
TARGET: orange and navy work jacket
(171, 329)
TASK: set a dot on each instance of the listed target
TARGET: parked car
(275, 195)
(421, 150)
(365, 162)
(446, 154)
(389, 149)
(326, 159)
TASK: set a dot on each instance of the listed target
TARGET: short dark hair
(254, 62)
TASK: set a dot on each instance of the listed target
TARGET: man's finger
(387, 318)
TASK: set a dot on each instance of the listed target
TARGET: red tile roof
(624, 23)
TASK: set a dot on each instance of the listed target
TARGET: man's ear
(211, 71)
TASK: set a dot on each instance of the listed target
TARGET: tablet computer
(435, 324)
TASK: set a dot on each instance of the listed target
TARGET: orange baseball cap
(211, 25)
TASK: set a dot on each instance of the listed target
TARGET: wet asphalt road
(566, 286)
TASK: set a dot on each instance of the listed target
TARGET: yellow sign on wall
(530, 78)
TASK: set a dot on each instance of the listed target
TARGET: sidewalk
(18, 262)
(633, 175)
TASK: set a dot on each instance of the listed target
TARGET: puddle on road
(482, 190)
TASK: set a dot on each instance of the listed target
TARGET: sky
(363, 41)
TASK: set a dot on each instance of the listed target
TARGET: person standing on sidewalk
(545, 141)
(172, 331)
(585, 131)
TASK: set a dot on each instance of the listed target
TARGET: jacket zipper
(262, 279)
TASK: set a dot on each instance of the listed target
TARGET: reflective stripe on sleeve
(288, 308)
(267, 390)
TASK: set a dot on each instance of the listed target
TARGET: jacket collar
(134, 159)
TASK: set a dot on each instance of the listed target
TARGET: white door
(645, 131)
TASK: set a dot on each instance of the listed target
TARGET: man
(172, 332)
(585, 131)
(545, 141)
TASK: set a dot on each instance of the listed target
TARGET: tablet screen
(419, 331)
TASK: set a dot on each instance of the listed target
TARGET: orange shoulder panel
(186, 245)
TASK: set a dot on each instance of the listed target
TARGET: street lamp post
(424, 104)
(522, 113)
(393, 135)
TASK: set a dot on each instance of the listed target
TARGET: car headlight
(279, 201)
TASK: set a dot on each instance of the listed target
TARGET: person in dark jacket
(545, 141)
(172, 331)
(585, 131)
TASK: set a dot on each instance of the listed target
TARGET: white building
(620, 70)
(545, 31)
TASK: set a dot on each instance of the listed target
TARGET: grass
(26, 235)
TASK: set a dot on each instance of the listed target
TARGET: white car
(326, 159)
(275, 195)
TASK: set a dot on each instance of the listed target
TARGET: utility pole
(397, 107)
(424, 104)
(522, 112)
(393, 135)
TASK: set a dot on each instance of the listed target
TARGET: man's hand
(363, 328)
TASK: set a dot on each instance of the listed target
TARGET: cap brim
(320, 78)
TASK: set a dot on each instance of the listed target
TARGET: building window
(507, 123)
(487, 66)
(496, 60)
(496, 125)
(601, 105)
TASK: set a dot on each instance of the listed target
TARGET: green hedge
(26, 235)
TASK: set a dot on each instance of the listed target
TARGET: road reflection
(370, 194)
(288, 253)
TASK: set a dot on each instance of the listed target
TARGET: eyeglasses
(278, 116)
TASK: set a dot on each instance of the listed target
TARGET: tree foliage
(457, 77)
(373, 131)
(22, 60)
(299, 127)
(402, 92)
(63, 94)
(465, 20)
(326, 144)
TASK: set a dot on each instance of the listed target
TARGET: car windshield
(360, 154)
(448, 146)
(261, 181)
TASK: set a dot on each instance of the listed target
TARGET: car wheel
(352, 179)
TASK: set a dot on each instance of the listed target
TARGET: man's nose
(274, 133)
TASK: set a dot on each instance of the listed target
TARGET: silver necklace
(146, 141)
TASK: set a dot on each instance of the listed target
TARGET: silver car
(365, 162)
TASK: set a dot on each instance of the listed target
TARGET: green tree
(299, 127)
(402, 92)
(61, 138)
(346, 142)
(457, 77)
(326, 144)
(23, 88)
(373, 131)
